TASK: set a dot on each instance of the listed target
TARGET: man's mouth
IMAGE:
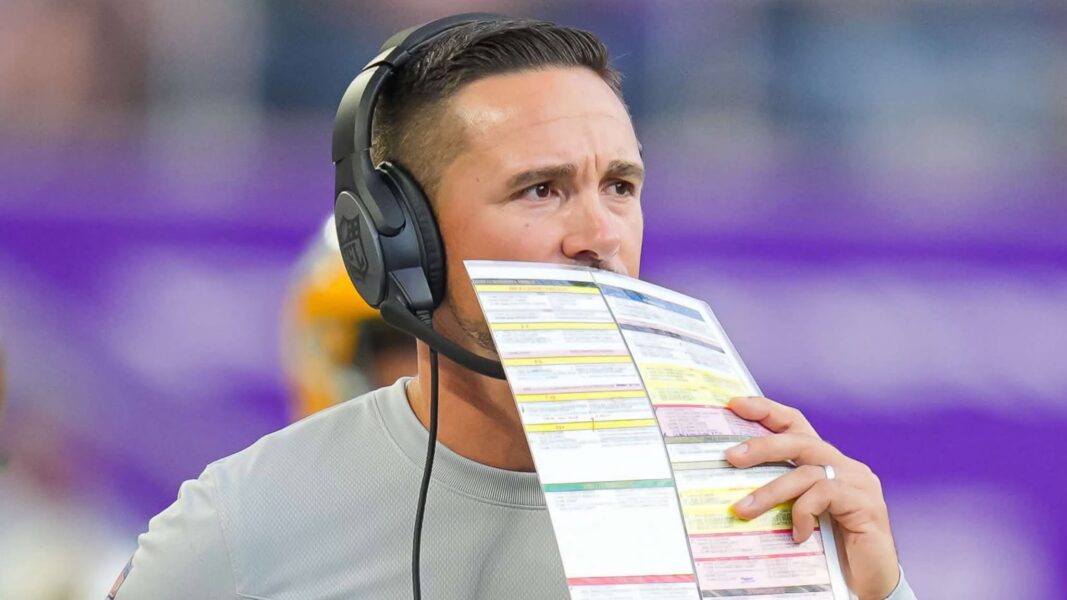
(601, 266)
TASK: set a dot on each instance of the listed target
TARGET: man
(519, 135)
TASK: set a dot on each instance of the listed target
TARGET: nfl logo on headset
(351, 241)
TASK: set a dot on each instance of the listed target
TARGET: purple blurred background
(872, 198)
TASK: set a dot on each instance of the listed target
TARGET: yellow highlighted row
(723, 521)
(695, 386)
(591, 425)
(676, 397)
(550, 325)
(566, 360)
(678, 375)
(566, 396)
(709, 511)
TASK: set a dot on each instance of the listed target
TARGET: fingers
(809, 506)
(772, 415)
(813, 493)
(854, 508)
(801, 448)
(781, 490)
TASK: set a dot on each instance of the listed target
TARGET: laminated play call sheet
(622, 388)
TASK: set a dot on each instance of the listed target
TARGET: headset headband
(386, 228)
(353, 126)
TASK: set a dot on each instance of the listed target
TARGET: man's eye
(623, 188)
(539, 191)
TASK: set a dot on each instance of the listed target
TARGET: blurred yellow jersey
(333, 343)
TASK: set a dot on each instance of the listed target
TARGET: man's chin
(474, 332)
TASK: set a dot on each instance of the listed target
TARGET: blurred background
(873, 199)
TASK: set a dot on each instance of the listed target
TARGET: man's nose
(592, 234)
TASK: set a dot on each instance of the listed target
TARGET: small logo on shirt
(120, 580)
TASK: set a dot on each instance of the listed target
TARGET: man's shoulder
(338, 462)
(339, 434)
(303, 491)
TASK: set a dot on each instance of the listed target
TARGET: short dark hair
(407, 121)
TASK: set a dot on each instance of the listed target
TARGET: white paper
(622, 386)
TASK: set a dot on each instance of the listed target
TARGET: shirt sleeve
(903, 590)
(184, 553)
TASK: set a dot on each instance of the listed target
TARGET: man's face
(549, 171)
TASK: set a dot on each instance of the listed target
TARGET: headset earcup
(361, 249)
(430, 245)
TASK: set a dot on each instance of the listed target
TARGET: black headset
(388, 235)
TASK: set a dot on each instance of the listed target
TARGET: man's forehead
(510, 103)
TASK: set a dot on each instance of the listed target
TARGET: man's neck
(476, 419)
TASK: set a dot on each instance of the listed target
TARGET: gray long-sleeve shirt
(324, 509)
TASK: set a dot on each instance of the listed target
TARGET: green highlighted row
(590, 486)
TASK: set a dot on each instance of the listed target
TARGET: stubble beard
(475, 330)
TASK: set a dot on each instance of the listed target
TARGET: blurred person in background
(1, 394)
(527, 132)
(71, 67)
(53, 547)
(334, 346)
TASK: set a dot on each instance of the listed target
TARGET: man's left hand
(853, 498)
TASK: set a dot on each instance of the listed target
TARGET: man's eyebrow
(616, 168)
(624, 169)
(549, 173)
